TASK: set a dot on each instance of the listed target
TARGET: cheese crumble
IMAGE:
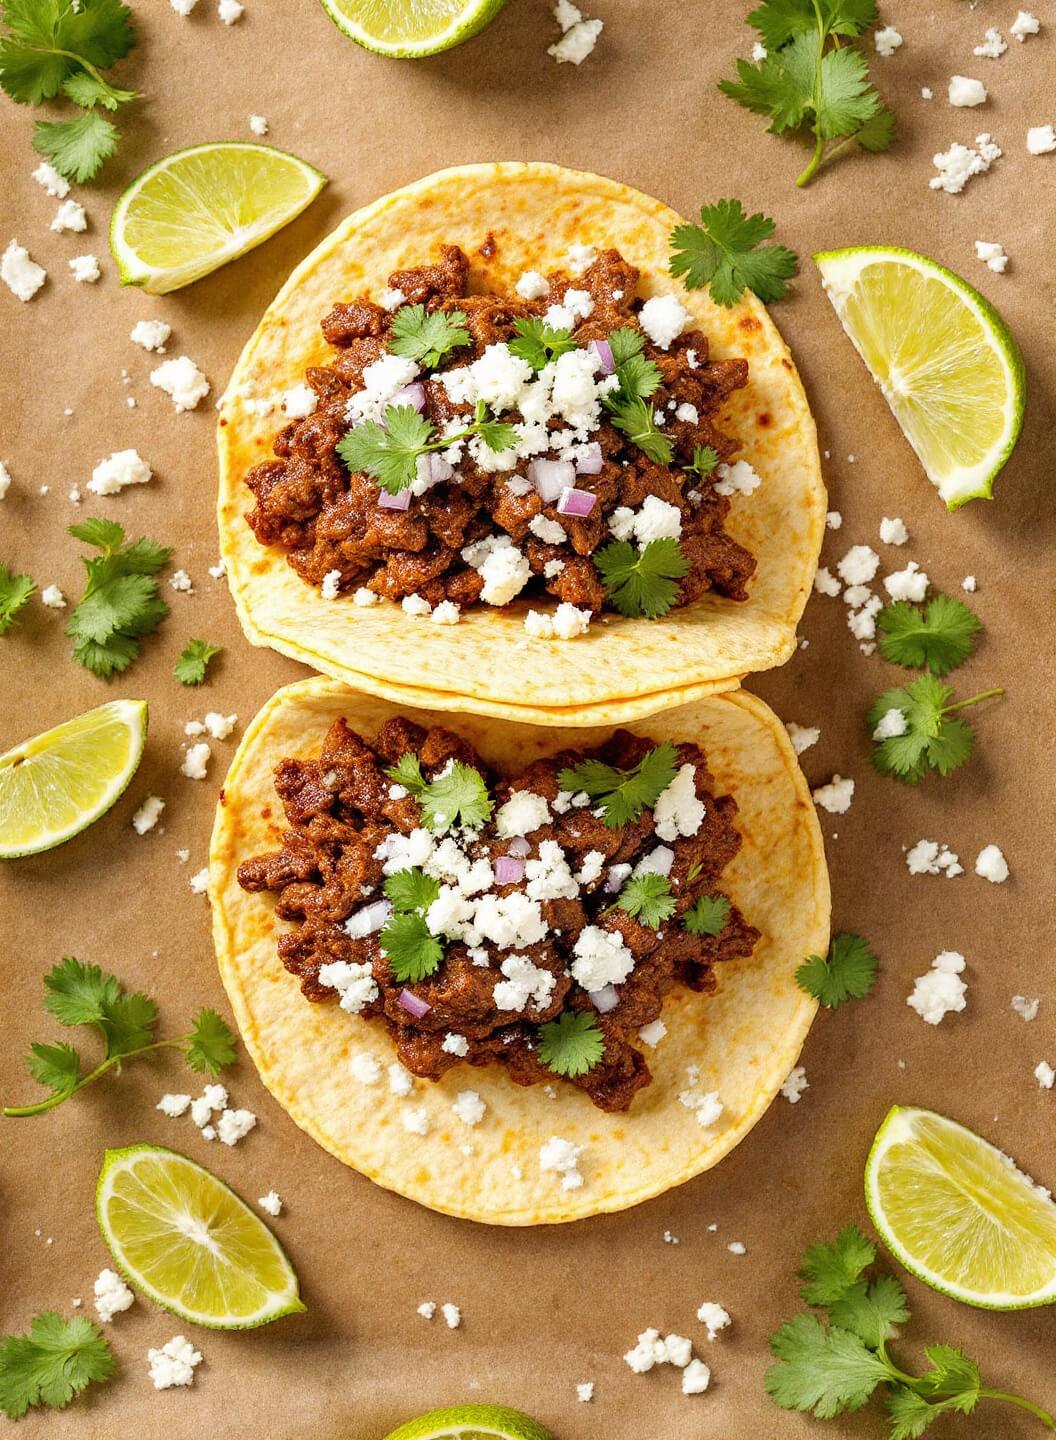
(174, 1364)
(941, 991)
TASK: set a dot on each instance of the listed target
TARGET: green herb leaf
(128, 1023)
(951, 1374)
(388, 452)
(426, 339)
(79, 994)
(645, 581)
(56, 1066)
(871, 1311)
(704, 461)
(625, 344)
(623, 794)
(496, 434)
(411, 890)
(15, 590)
(708, 916)
(458, 798)
(212, 1045)
(937, 638)
(830, 1269)
(53, 1363)
(638, 378)
(537, 344)
(77, 148)
(412, 952)
(636, 420)
(931, 739)
(50, 40)
(88, 90)
(847, 973)
(778, 21)
(911, 1415)
(648, 898)
(408, 772)
(572, 1044)
(194, 660)
(121, 603)
(821, 1370)
(723, 253)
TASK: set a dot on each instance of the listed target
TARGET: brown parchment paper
(541, 1310)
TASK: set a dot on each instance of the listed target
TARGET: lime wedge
(409, 29)
(197, 209)
(472, 1422)
(957, 1213)
(53, 786)
(946, 362)
(183, 1238)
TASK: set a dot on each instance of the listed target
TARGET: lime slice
(197, 209)
(183, 1238)
(945, 360)
(958, 1214)
(57, 784)
(472, 1422)
(409, 29)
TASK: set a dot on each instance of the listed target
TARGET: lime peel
(472, 1422)
(411, 29)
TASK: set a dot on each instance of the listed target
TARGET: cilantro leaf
(412, 952)
(830, 1269)
(15, 590)
(51, 40)
(820, 1369)
(211, 1045)
(645, 581)
(778, 21)
(871, 1311)
(408, 772)
(623, 794)
(625, 343)
(496, 434)
(931, 740)
(56, 1066)
(103, 534)
(847, 973)
(938, 638)
(128, 1023)
(704, 461)
(537, 344)
(708, 916)
(388, 452)
(194, 660)
(77, 148)
(952, 1373)
(87, 90)
(53, 1363)
(79, 994)
(572, 1044)
(636, 420)
(459, 797)
(911, 1415)
(723, 253)
(411, 890)
(426, 339)
(647, 897)
(121, 603)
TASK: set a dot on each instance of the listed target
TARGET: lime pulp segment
(409, 29)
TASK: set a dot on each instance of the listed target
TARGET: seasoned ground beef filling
(350, 827)
(329, 521)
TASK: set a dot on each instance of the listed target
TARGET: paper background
(542, 1310)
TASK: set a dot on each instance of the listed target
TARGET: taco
(518, 979)
(483, 446)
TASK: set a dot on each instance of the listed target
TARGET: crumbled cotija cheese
(992, 865)
(230, 11)
(123, 467)
(70, 216)
(713, 1317)
(1041, 139)
(85, 269)
(562, 1157)
(664, 318)
(20, 273)
(469, 1107)
(992, 254)
(965, 91)
(271, 1202)
(940, 991)
(993, 46)
(959, 163)
(54, 183)
(579, 39)
(1023, 25)
(199, 881)
(182, 381)
(53, 598)
(259, 125)
(859, 565)
(887, 40)
(196, 761)
(893, 531)
(795, 1083)
(174, 1363)
(1045, 1075)
(825, 582)
(928, 857)
(1024, 1008)
(174, 1105)
(585, 1391)
(802, 736)
(836, 796)
(112, 1295)
(150, 334)
(148, 814)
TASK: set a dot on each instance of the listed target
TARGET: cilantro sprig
(458, 797)
(931, 740)
(536, 344)
(15, 590)
(707, 916)
(623, 794)
(53, 1363)
(705, 458)
(723, 253)
(413, 952)
(390, 451)
(54, 47)
(847, 972)
(426, 339)
(938, 637)
(637, 378)
(827, 1367)
(194, 660)
(648, 899)
(637, 420)
(121, 603)
(572, 1044)
(642, 581)
(78, 994)
(810, 82)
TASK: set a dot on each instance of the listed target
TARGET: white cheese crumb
(736, 479)
(230, 11)
(400, 1082)
(299, 402)
(174, 1105)
(992, 865)
(1024, 1008)
(85, 269)
(112, 1295)
(926, 92)
(532, 286)
(20, 273)
(707, 1107)
(566, 14)
(737, 1247)
(887, 40)
(958, 164)
(992, 254)
(54, 183)
(965, 91)
(123, 467)
(859, 565)
(802, 736)
(834, 520)
(365, 1069)
(652, 1033)
(1041, 139)
(836, 796)
(446, 613)
(696, 1378)
(5, 480)
(146, 817)
(427, 1309)
(452, 1315)
(562, 1157)
(415, 605)
(664, 318)
(993, 47)
(969, 584)
(825, 582)
(181, 581)
(150, 334)
(577, 43)
(759, 51)
(713, 1317)
(53, 598)
(908, 584)
(1045, 1075)
(196, 761)
(1023, 25)
(271, 1203)
(182, 381)
(259, 125)
(183, 7)
(795, 1083)
(928, 857)
(199, 881)
(175, 1362)
(469, 1107)
(234, 1125)
(893, 531)
(585, 1391)
(892, 723)
(330, 586)
(940, 991)
(70, 216)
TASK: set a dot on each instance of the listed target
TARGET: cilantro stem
(19, 1111)
(805, 177)
(974, 699)
(1039, 1414)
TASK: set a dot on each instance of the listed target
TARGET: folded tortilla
(744, 1039)
(622, 668)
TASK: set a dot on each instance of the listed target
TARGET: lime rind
(279, 1303)
(161, 280)
(468, 18)
(986, 1230)
(841, 269)
(471, 1422)
(40, 763)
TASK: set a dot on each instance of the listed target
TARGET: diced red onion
(578, 503)
(550, 477)
(603, 350)
(520, 847)
(400, 501)
(590, 460)
(413, 394)
(367, 921)
(412, 1004)
(617, 875)
(439, 469)
(508, 870)
(605, 999)
(657, 862)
